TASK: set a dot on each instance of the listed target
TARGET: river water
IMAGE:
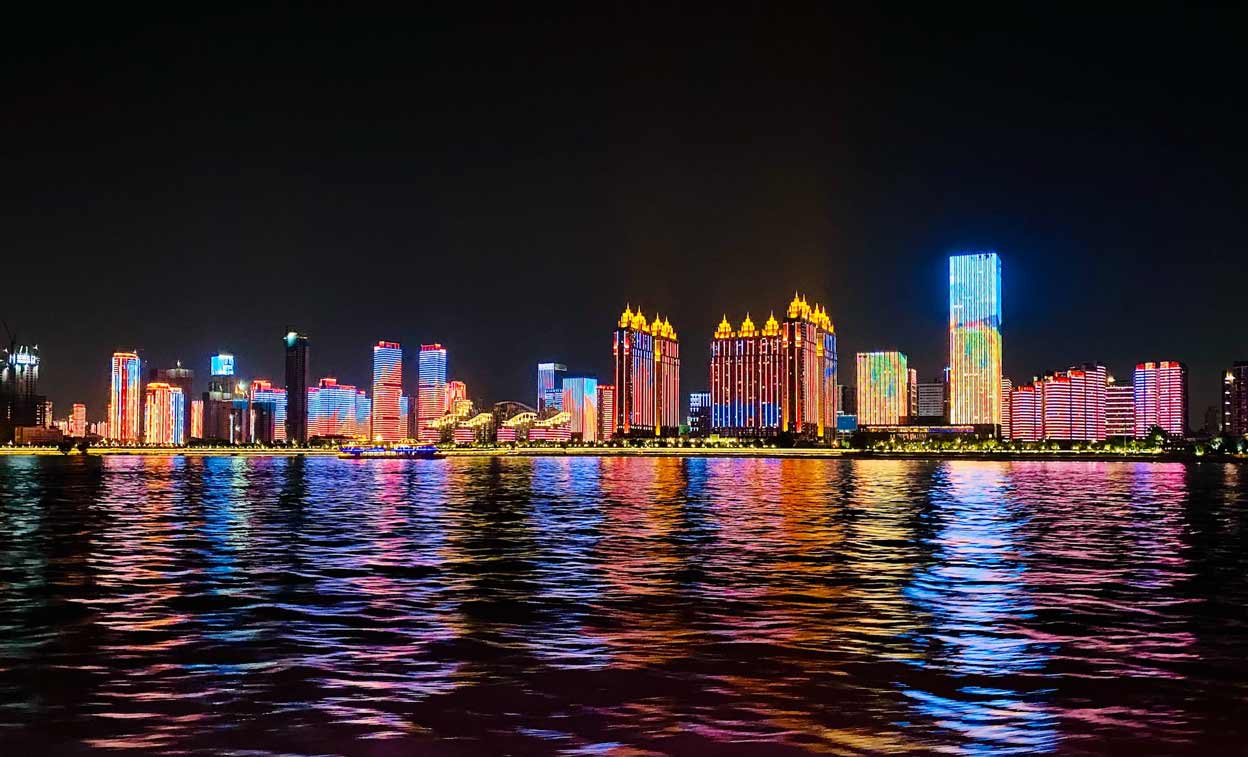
(577, 605)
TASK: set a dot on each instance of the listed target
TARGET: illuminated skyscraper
(606, 412)
(1160, 398)
(699, 414)
(549, 385)
(808, 399)
(20, 401)
(182, 378)
(164, 413)
(647, 376)
(336, 409)
(975, 339)
(883, 394)
(296, 387)
(221, 421)
(268, 412)
(363, 413)
(1119, 410)
(1235, 400)
(78, 420)
(1027, 413)
(197, 419)
(580, 401)
(387, 423)
(125, 406)
(747, 379)
(456, 394)
(431, 392)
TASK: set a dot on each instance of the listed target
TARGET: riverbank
(651, 452)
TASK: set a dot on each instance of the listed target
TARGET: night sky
(504, 185)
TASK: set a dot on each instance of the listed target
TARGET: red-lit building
(1160, 398)
(1027, 413)
(606, 412)
(647, 376)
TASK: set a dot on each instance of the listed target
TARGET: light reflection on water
(586, 604)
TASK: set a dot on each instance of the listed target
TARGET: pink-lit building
(1027, 413)
(78, 420)
(335, 409)
(606, 412)
(388, 424)
(1160, 398)
(1007, 388)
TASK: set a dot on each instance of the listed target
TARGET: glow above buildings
(388, 423)
(883, 388)
(974, 339)
(125, 407)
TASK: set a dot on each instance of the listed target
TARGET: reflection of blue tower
(975, 595)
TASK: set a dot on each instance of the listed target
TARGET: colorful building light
(549, 385)
(78, 420)
(268, 412)
(333, 409)
(388, 423)
(1007, 387)
(197, 419)
(883, 391)
(580, 401)
(808, 400)
(164, 414)
(125, 406)
(1160, 393)
(456, 395)
(747, 378)
(606, 412)
(431, 393)
(647, 376)
(975, 339)
(222, 364)
(1027, 413)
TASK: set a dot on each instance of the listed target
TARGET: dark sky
(504, 185)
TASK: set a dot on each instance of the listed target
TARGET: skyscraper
(1160, 398)
(699, 413)
(931, 402)
(387, 423)
(549, 385)
(78, 420)
(20, 401)
(647, 376)
(163, 414)
(1027, 413)
(197, 419)
(335, 410)
(975, 339)
(1235, 400)
(808, 401)
(883, 394)
(456, 394)
(431, 391)
(606, 412)
(1074, 404)
(747, 379)
(221, 422)
(125, 406)
(580, 401)
(1119, 410)
(268, 412)
(296, 387)
(182, 378)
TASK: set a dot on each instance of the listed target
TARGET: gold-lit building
(646, 355)
(777, 379)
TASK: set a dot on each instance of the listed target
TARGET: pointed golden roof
(657, 326)
(747, 327)
(626, 317)
(639, 322)
(724, 329)
(772, 327)
(668, 331)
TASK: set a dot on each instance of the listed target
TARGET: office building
(387, 422)
(336, 410)
(1074, 404)
(1119, 410)
(125, 405)
(1234, 411)
(21, 405)
(606, 412)
(456, 396)
(78, 421)
(847, 400)
(931, 402)
(268, 412)
(1160, 398)
(699, 414)
(222, 422)
(974, 339)
(164, 413)
(183, 378)
(431, 391)
(549, 386)
(197, 419)
(296, 387)
(580, 402)
(1027, 413)
(646, 356)
(883, 394)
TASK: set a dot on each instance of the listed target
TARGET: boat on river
(380, 451)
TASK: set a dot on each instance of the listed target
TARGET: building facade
(336, 410)
(1027, 413)
(388, 424)
(606, 412)
(550, 386)
(580, 402)
(1235, 400)
(1007, 388)
(808, 401)
(431, 392)
(646, 357)
(747, 383)
(78, 420)
(1119, 410)
(296, 345)
(1160, 398)
(699, 420)
(125, 405)
(268, 412)
(164, 414)
(975, 339)
(21, 405)
(883, 391)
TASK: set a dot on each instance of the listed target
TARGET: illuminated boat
(398, 451)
